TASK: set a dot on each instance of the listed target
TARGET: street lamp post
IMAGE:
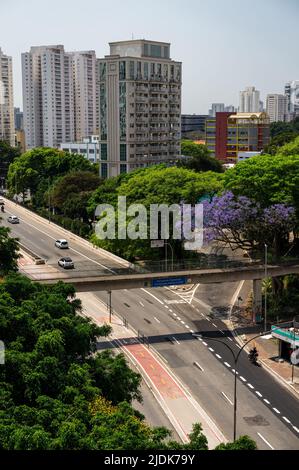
(236, 358)
(109, 306)
(168, 244)
(265, 293)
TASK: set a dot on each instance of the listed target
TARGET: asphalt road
(266, 410)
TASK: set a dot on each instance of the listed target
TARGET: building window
(166, 52)
(145, 74)
(139, 74)
(122, 70)
(103, 71)
(123, 152)
(103, 151)
(155, 50)
(123, 168)
(146, 50)
(104, 170)
(82, 150)
(103, 112)
(132, 67)
(122, 111)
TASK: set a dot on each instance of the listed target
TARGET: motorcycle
(253, 355)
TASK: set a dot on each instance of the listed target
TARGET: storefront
(288, 336)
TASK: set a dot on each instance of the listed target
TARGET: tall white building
(276, 107)
(249, 100)
(292, 94)
(140, 106)
(7, 126)
(48, 96)
(216, 108)
(85, 94)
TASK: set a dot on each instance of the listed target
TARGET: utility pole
(49, 200)
(265, 293)
(109, 306)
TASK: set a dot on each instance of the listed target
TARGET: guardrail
(36, 258)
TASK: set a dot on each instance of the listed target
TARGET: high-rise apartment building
(85, 94)
(249, 100)
(291, 92)
(216, 108)
(227, 134)
(193, 122)
(276, 107)
(48, 96)
(7, 127)
(19, 121)
(140, 106)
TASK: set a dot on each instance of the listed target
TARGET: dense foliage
(7, 156)
(281, 133)
(154, 185)
(201, 158)
(8, 252)
(36, 169)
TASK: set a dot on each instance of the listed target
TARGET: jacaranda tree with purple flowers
(242, 223)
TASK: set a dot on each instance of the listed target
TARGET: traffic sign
(169, 281)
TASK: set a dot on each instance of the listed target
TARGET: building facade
(291, 92)
(139, 106)
(228, 134)
(85, 94)
(89, 147)
(7, 127)
(249, 100)
(193, 122)
(48, 96)
(276, 107)
(19, 121)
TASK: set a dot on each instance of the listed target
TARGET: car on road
(66, 263)
(61, 243)
(13, 219)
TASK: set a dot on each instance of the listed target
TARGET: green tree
(242, 443)
(201, 158)
(8, 251)
(7, 155)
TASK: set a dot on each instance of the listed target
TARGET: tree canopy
(37, 168)
(7, 156)
(201, 158)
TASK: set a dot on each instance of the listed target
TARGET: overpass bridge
(197, 276)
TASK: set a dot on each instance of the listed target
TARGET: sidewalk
(244, 329)
(180, 407)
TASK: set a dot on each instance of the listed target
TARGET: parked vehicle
(13, 219)
(61, 243)
(66, 263)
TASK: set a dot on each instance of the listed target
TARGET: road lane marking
(250, 386)
(229, 338)
(191, 331)
(175, 340)
(157, 319)
(235, 371)
(214, 325)
(227, 398)
(187, 326)
(242, 378)
(286, 419)
(238, 346)
(152, 295)
(179, 318)
(265, 440)
(218, 355)
(166, 306)
(182, 321)
(211, 349)
(227, 364)
(259, 394)
(199, 366)
(204, 343)
(276, 411)
(266, 401)
(171, 310)
(296, 429)
(141, 303)
(175, 315)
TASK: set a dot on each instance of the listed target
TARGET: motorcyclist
(253, 355)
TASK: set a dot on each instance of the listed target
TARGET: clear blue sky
(224, 45)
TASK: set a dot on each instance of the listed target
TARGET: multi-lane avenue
(169, 318)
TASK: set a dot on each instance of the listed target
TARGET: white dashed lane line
(157, 320)
(204, 343)
(296, 429)
(214, 325)
(242, 378)
(259, 394)
(286, 419)
(218, 355)
(225, 396)
(250, 386)
(276, 411)
(266, 401)
(211, 349)
(227, 364)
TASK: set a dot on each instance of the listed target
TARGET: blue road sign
(169, 281)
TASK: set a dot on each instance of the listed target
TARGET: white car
(61, 244)
(13, 219)
(66, 263)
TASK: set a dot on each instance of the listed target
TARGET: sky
(224, 45)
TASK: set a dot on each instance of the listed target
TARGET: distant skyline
(224, 46)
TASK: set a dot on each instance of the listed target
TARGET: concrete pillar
(257, 297)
